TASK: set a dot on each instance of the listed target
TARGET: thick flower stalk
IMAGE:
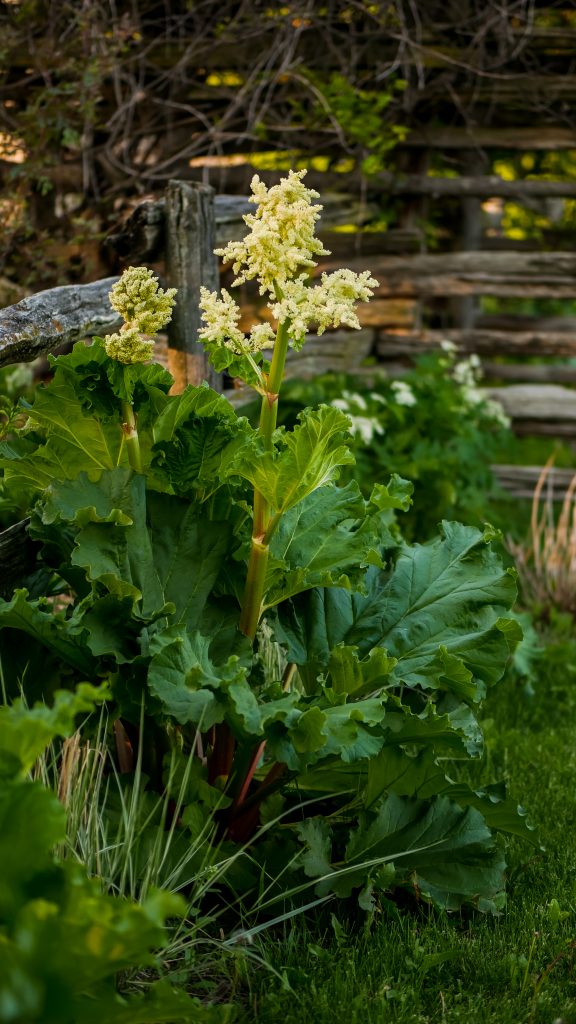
(145, 309)
(278, 251)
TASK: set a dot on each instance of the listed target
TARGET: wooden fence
(181, 231)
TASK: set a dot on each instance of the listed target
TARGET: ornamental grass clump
(547, 563)
(264, 632)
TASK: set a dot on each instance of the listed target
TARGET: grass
(519, 968)
(547, 563)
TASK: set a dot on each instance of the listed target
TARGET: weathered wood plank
(523, 322)
(535, 274)
(48, 319)
(143, 235)
(333, 352)
(551, 403)
(528, 428)
(530, 373)
(520, 481)
(190, 264)
(532, 137)
(484, 342)
(479, 186)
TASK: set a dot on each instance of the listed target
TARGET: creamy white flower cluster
(281, 237)
(467, 373)
(221, 318)
(403, 394)
(279, 244)
(145, 308)
(328, 304)
(354, 404)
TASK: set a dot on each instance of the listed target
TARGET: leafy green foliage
(308, 458)
(26, 732)
(436, 603)
(360, 114)
(438, 846)
(432, 428)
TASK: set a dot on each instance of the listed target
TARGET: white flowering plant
(316, 677)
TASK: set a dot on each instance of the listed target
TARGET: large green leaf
(190, 687)
(309, 457)
(301, 736)
(406, 772)
(328, 539)
(194, 402)
(439, 601)
(144, 556)
(74, 424)
(445, 852)
(437, 612)
(153, 549)
(32, 820)
(38, 620)
(82, 501)
(195, 441)
(89, 445)
(60, 440)
(111, 552)
(358, 677)
(197, 683)
(188, 551)
(29, 466)
(102, 383)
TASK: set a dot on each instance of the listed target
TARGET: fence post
(190, 263)
(464, 309)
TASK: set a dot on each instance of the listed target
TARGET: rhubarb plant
(323, 675)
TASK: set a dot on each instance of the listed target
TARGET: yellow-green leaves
(26, 732)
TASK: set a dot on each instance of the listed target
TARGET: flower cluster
(279, 244)
(281, 237)
(145, 309)
(329, 304)
(354, 404)
(467, 373)
(403, 394)
(221, 318)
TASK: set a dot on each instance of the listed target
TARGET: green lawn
(520, 967)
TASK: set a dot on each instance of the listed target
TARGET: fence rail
(483, 342)
(520, 481)
(504, 274)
